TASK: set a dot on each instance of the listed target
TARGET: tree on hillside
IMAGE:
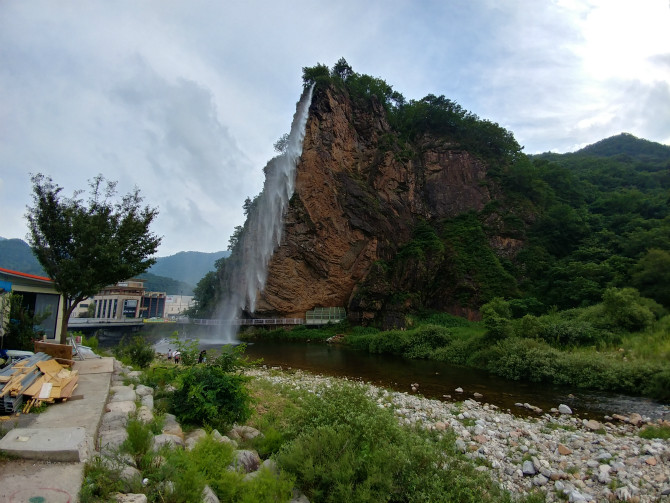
(85, 247)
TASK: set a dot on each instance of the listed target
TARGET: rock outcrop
(360, 192)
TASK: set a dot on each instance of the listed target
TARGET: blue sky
(185, 99)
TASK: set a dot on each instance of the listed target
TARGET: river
(439, 380)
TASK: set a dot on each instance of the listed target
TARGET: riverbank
(559, 455)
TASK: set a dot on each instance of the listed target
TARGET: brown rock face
(359, 194)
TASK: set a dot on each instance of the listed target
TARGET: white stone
(564, 409)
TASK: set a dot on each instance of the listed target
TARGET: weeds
(653, 432)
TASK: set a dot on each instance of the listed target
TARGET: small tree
(85, 248)
(18, 331)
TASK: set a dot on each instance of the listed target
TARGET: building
(125, 299)
(122, 300)
(39, 297)
(175, 305)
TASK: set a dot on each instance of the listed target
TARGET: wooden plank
(51, 367)
(56, 350)
(68, 389)
(45, 392)
(35, 387)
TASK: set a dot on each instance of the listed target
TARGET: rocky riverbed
(559, 454)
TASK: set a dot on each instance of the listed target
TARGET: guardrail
(104, 321)
(256, 321)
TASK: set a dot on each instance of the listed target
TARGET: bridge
(251, 322)
(94, 323)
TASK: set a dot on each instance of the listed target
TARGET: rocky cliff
(361, 195)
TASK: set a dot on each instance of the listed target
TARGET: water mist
(247, 268)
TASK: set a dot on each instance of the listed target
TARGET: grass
(652, 432)
(652, 344)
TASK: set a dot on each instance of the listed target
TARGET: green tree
(85, 247)
(18, 331)
(626, 310)
(315, 74)
(342, 69)
(496, 315)
(651, 276)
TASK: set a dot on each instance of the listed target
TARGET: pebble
(568, 455)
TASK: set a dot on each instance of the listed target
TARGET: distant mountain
(154, 283)
(15, 254)
(627, 144)
(174, 274)
(624, 146)
(189, 267)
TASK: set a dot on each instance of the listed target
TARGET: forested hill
(624, 144)
(604, 220)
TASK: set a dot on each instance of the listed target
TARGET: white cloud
(185, 99)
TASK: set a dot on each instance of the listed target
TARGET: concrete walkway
(54, 445)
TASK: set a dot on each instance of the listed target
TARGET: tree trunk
(66, 318)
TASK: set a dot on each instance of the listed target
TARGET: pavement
(49, 449)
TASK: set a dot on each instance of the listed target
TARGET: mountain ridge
(16, 255)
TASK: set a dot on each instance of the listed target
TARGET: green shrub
(189, 349)
(652, 432)
(659, 385)
(423, 341)
(206, 464)
(346, 448)
(100, 482)
(441, 319)
(159, 375)
(139, 441)
(267, 486)
(269, 443)
(496, 315)
(562, 332)
(208, 395)
(230, 358)
(137, 350)
(625, 309)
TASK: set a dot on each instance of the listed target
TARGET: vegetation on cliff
(562, 255)
(583, 222)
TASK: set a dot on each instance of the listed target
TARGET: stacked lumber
(39, 378)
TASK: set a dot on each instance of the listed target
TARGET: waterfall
(247, 269)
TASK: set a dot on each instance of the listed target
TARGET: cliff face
(359, 195)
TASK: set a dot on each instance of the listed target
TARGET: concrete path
(55, 444)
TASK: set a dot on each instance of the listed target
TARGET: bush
(231, 358)
(573, 332)
(347, 448)
(626, 310)
(189, 349)
(137, 350)
(139, 442)
(208, 395)
(100, 482)
(423, 341)
(496, 315)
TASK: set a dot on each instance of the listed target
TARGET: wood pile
(39, 379)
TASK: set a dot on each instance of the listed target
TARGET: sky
(185, 99)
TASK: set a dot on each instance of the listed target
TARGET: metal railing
(256, 321)
(73, 322)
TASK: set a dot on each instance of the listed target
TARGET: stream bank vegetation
(619, 344)
(334, 444)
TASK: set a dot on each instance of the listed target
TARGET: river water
(437, 379)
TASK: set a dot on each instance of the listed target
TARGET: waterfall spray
(247, 269)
